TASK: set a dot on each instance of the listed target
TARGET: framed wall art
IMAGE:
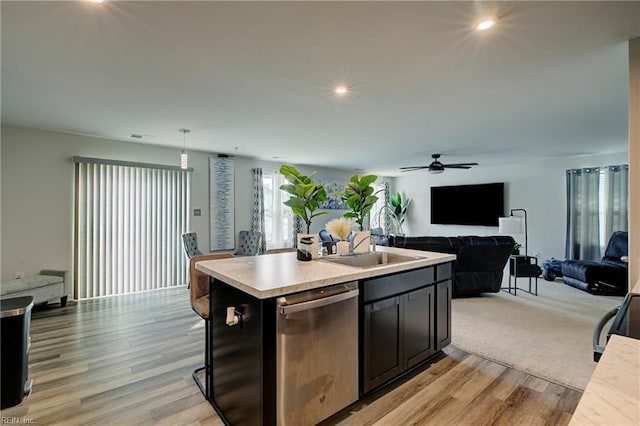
(221, 203)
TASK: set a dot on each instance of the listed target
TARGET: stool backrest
(200, 280)
(190, 244)
(249, 244)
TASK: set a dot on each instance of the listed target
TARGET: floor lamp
(514, 225)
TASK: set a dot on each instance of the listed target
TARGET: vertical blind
(129, 220)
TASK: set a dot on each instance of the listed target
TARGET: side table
(522, 266)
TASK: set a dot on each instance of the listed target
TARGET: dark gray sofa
(480, 260)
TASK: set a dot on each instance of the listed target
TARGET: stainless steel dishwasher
(317, 354)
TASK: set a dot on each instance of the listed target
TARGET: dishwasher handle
(312, 304)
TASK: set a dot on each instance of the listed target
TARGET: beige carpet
(548, 335)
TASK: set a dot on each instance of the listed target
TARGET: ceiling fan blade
(456, 166)
(411, 168)
(460, 164)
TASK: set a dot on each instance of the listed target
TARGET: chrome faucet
(371, 239)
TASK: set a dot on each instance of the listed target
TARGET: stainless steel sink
(369, 260)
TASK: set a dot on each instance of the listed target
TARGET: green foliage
(305, 194)
(399, 207)
(359, 196)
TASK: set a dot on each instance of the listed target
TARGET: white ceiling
(550, 80)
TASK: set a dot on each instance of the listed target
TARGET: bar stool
(199, 294)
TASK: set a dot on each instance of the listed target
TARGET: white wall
(37, 193)
(536, 186)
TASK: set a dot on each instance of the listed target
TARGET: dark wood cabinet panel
(444, 271)
(383, 342)
(418, 330)
(406, 328)
(395, 284)
(243, 356)
(443, 309)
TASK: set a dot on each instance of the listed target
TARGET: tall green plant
(359, 196)
(398, 208)
(305, 194)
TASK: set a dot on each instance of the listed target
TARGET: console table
(522, 266)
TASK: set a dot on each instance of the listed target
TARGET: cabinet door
(419, 317)
(382, 342)
(443, 314)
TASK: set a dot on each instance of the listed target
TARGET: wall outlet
(197, 212)
(19, 275)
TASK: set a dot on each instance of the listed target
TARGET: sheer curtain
(616, 182)
(379, 215)
(583, 214)
(129, 218)
(278, 222)
(257, 214)
(597, 205)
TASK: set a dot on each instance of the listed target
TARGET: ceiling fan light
(435, 171)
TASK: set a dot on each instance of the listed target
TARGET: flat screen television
(480, 204)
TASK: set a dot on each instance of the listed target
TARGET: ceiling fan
(437, 167)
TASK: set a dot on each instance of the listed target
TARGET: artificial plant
(398, 207)
(305, 194)
(359, 196)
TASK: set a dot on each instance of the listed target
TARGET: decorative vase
(342, 247)
(361, 246)
(311, 247)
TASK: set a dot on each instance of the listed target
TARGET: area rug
(548, 336)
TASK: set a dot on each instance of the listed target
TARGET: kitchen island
(267, 372)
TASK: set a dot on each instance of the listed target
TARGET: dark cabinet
(418, 326)
(443, 314)
(398, 331)
(383, 341)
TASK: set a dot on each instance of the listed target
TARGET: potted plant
(341, 228)
(398, 207)
(359, 196)
(516, 249)
(304, 200)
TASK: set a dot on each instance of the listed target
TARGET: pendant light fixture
(183, 155)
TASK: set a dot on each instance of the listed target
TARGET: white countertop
(277, 274)
(612, 396)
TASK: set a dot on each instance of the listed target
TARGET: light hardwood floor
(128, 360)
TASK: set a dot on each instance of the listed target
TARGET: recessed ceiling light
(96, 1)
(486, 24)
(340, 90)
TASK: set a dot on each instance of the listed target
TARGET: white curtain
(583, 214)
(379, 214)
(129, 220)
(278, 220)
(257, 214)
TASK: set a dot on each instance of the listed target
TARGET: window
(278, 219)
(377, 217)
(597, 206)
